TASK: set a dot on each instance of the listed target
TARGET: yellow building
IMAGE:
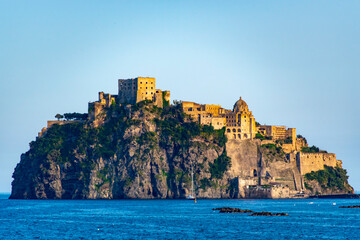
(138, 89)
(240, 123)
(278, 132)
(205, 114)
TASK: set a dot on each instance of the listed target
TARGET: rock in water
(232, 210)
(354, 206)
(268, 214)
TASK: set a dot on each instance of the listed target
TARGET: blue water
(177, 219)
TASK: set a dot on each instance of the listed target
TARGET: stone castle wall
(308, 162)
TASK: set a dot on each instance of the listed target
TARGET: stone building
(138, 89)
(240, 123)
(205, 114)
(105, 100)
(218, 122)
(277, 132)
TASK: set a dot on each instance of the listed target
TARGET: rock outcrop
(144, 152)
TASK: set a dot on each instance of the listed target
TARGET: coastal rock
(144, 152)
(268, 214)
(232, 210)
(354, 206)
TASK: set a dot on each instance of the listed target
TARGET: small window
(146, 87)
(140, 82)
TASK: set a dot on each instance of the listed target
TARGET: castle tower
(134, 90)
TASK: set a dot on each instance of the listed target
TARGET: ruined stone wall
(127, 90)
(266, 192)
(158, 101)
(308, 162)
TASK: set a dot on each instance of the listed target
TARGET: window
(146, 87)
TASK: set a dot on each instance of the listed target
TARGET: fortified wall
(308, 162)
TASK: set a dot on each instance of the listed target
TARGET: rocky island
(136, 145)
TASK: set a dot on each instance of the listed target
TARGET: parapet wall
(308, 162)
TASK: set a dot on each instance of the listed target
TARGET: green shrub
(330, 177)
(220, 166)
(312, 149)
(259, 136)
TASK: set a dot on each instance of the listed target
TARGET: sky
(295, 63)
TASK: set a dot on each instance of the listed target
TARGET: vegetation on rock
(333, 178)
(312, 149)
(144, 152)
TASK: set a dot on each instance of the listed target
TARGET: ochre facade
(138, 89)
(308, 162)
(240, 123)
(206, 114)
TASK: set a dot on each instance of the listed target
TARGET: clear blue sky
(295, 63)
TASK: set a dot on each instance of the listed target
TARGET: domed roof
(240, 106)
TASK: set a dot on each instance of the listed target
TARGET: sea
(177, 219)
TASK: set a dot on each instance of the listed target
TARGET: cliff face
(146, 152)
(143, 152)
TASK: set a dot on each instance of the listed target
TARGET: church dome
(240, 106)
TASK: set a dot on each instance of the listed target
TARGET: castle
(239, 125)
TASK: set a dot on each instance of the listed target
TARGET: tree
(59, 116)
(75, 116)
